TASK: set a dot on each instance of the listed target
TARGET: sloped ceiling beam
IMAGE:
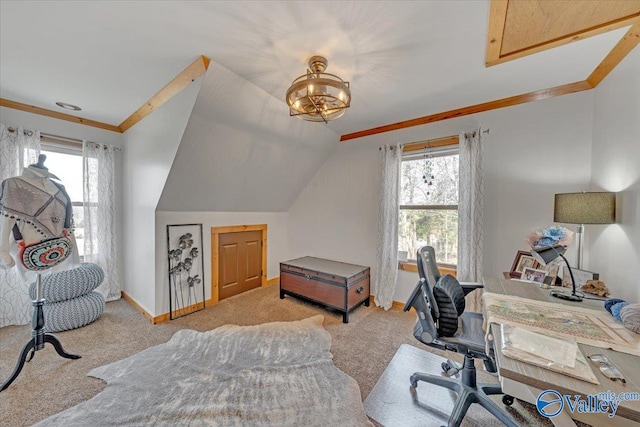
(626, 44)
(181, 81)
(473, 109)
(619, 51)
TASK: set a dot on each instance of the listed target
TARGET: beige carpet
(48, 384)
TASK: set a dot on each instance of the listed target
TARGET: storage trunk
(331, 283)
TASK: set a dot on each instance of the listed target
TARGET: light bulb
(310, 88)
(341, 96)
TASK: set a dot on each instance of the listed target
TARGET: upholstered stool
(71, 301)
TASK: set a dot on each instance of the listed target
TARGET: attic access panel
(519, 28)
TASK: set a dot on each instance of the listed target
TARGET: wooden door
(240, 262)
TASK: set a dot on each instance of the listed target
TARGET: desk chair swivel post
(435, 319)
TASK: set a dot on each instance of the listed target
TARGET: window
(66, 163)
(429, 203)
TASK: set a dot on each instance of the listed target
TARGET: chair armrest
(468, 287)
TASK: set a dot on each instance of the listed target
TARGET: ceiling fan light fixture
(68, 106)
(318, 96)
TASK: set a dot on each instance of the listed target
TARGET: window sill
(412, 266)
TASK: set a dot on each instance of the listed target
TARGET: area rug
(275, 374)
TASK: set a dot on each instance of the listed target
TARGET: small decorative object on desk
(581, 276)
(614, 306)
(523, 260)
(625, 313)
(550, 236)
(533, 275)
(630, 316)
(186, 284)
(595, 287)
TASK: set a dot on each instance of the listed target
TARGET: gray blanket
(276, 374)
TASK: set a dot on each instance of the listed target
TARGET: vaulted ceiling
(404, 59)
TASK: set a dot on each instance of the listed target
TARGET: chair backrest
(428, 271)
(444, 294)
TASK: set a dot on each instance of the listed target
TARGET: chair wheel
(507, 400)
(445, 367)
(414, 384)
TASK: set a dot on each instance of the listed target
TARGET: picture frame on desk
(523, 260)
(581, 277)
(553, 270)
(533, 275)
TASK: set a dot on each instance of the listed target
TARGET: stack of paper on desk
(557, 355)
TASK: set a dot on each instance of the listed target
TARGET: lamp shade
(547, 254)
(585, 208)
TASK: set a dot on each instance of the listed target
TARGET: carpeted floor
(48, 384)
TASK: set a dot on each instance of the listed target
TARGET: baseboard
(208, 303)
(128, 298)
(162, 317)
(395, 304)
(165, 316)
(273, 281)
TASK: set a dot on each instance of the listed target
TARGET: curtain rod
(74, 141)
(472, 134)
(442, 138)
(26, 132)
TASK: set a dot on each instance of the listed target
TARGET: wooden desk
(526, 381)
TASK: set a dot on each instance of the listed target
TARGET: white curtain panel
(100, 214)
(384, 284)
(18, 149)
(470, 212)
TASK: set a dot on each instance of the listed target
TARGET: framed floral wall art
(186, 269)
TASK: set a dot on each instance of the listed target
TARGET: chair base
(468, 392)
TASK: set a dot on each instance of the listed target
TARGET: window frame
(447, 146)
(62, 146)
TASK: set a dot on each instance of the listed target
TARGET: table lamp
(584, 208)
(546, 255)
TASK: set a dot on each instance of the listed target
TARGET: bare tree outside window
(68, 167)
(429, 206)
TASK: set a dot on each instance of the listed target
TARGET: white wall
(241, 152)
(614, 250)
(151, 146)
(276, 243)
(15, 118)
(532, 152)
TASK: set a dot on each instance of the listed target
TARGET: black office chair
(442, 323)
